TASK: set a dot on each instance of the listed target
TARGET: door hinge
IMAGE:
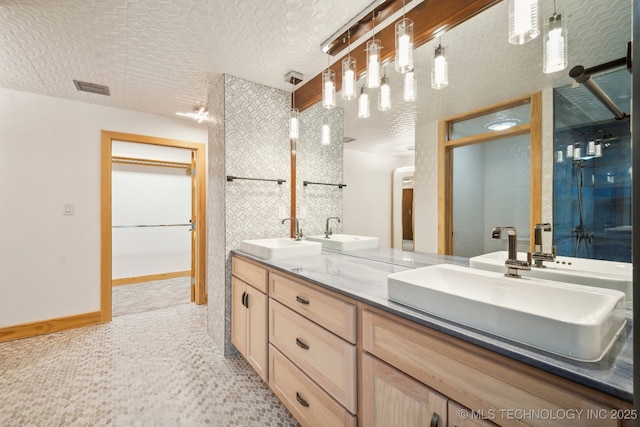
(191, 172)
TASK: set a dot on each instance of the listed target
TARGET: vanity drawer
(334, 314)
(311, 405)
(476, 378)
(324, 357)
(250, 273)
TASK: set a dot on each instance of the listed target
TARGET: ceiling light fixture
(326, 131)
(349, 74)
(364, 103)
(328, 86)
(523, 21)
(404, 44)
(410, 89)
(504, 124)
(439, 73)
(294, 78)
(384, 97)
(555, 43)
(200, 114)
(374, 49)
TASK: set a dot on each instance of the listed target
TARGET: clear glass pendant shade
(523, 21)
(364, 108)
(349, 78)
(555, 44)
(294, 123)
(374, 49)
(384, 96)
(439, 73)
(328, 88)
(404, 46)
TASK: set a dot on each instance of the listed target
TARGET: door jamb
(106, 247)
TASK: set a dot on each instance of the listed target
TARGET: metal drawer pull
(301, 400)
(302, 344)
(302, 301)
(244, 294)
(434, 420)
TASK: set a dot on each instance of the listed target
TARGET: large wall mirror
(484, 69)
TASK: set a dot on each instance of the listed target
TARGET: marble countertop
(362, 275)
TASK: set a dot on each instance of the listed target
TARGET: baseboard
(33, 329)
(150, 278)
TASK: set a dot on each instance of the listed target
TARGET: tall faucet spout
(298, 231)
(512, 263)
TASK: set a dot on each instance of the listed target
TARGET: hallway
(152, 368)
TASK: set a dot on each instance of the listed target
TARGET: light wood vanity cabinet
(249, 314)
(391, 398)
(312, 355)
(387, 371)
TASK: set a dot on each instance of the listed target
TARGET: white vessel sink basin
(280, 248)
(346, 242)
(579, 322)
(590, 272)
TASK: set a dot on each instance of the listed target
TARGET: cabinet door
(238, 315)
(257, 327)
(391, 398)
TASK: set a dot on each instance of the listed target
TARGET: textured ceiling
(156, 55)
(484, 69)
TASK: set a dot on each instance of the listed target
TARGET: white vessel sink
(346, 242)
(579, 322)
(280, 248)
(590, 272)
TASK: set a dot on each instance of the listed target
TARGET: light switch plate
(68, 208)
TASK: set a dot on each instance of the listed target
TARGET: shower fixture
(583, 76)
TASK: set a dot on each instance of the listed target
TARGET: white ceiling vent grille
(92, 87)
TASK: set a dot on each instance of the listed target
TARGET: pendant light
(328, 86)
(410, 89)
(374, 49)
(439, 73)
(523, 21)
(555, 43)
(294, 123)
(349, 74)
(404, 44)
(384, 97)
(326, 131)
(363, 103)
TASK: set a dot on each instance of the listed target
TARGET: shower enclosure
(592, 172)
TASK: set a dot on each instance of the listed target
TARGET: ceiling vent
(92, 87)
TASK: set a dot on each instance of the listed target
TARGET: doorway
(465, 141)
(197, 226)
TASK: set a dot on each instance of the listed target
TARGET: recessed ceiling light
(498, 125)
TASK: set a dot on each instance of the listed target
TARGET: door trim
(445, 161)
(106, 244)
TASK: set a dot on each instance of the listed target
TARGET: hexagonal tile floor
(152, 368)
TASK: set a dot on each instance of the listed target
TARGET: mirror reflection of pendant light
(384, 97)
(374, 49)
(328, 86)
(349, 74)
(439, 73)
(523, 21)
(326, 131)
(410, 86)
(404, 44)
(294, 114)
(555, 43)
(363, 103)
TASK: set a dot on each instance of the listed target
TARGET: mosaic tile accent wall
(216, 232)
(319, 163)
(256, 146)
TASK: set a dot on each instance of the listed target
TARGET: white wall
(367, 197)
(50, 155)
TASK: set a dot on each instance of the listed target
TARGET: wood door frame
(106, 244)
(445, 161)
